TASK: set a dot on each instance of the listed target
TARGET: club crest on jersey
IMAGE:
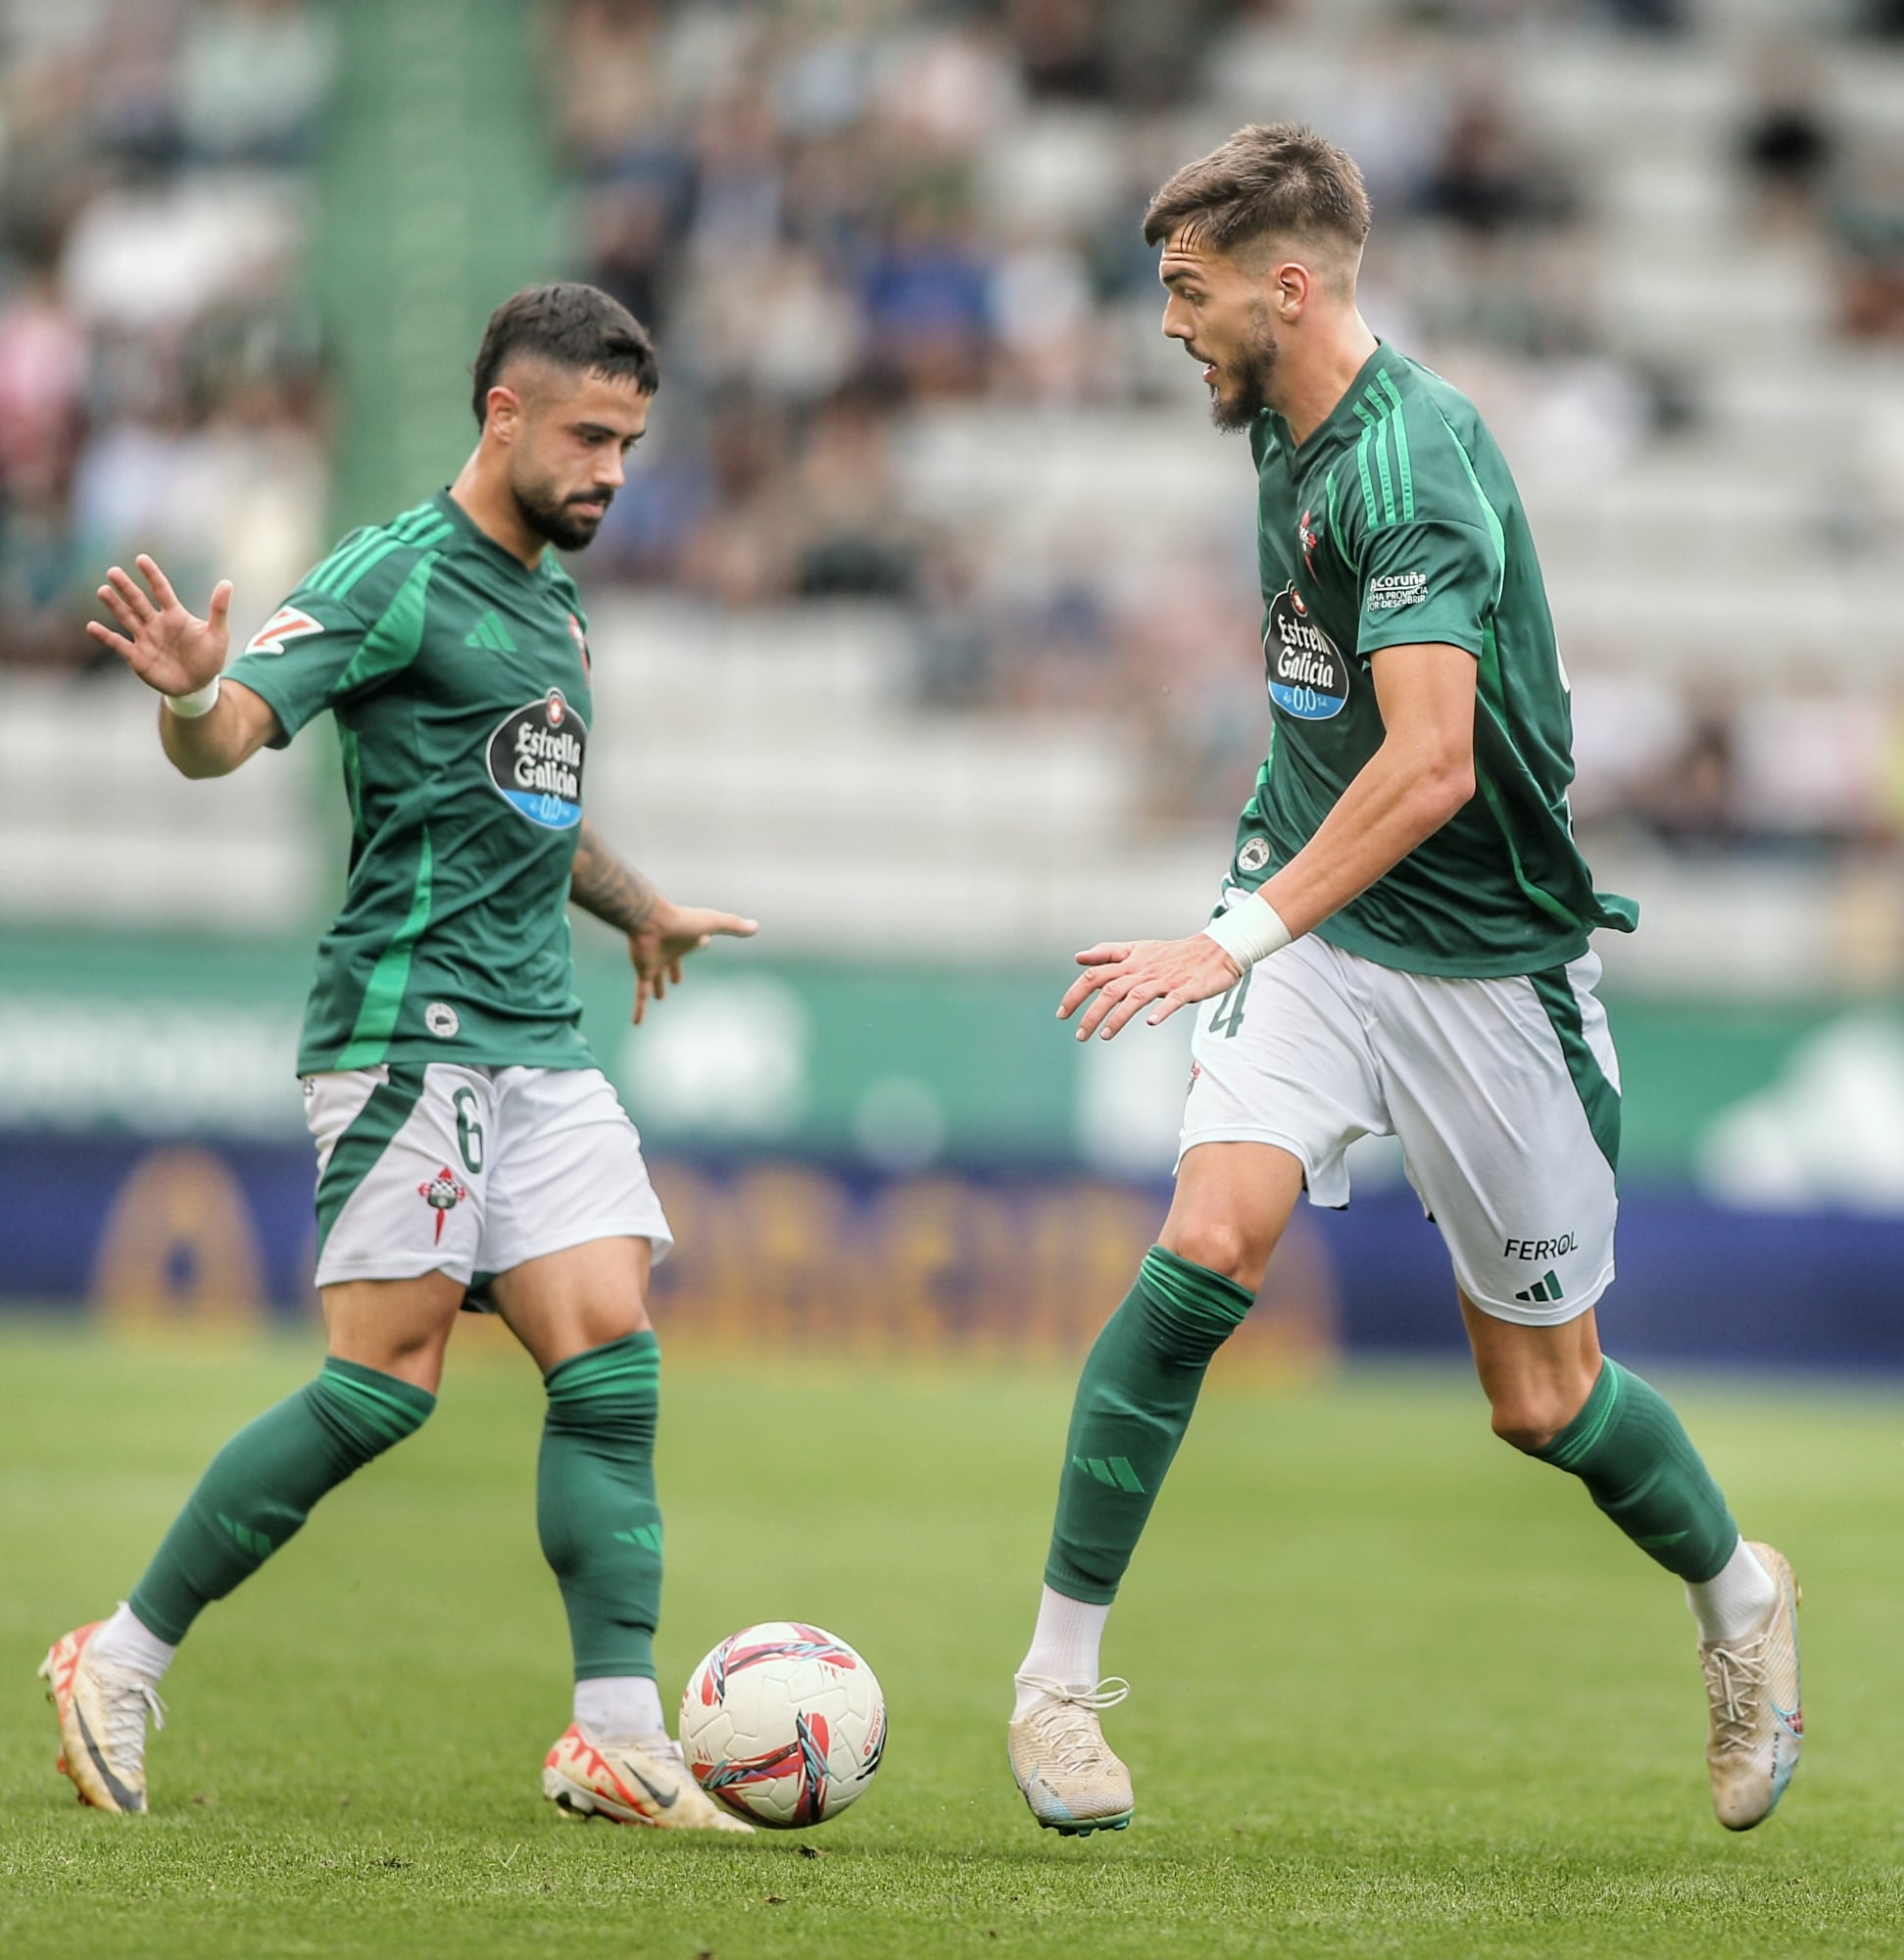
(443, 1194)
(1308, 678)
(580, 638)
(535, 761)
(285, 624)
(1308, 534)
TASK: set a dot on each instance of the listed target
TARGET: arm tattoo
(608, 886)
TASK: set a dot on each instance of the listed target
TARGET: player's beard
(557, 519)
(1249, 371)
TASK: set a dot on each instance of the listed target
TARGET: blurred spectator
(160, 384)
(1692, 802)
(1489, 179)
(1788, 145)
(253, 79)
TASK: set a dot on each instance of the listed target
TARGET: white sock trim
(1064, 1645)
(127, 1642)
(1733, 1602)
(620, 1707)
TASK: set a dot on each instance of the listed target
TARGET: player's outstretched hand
(1161, 974)
(170, 649)
(674, 932)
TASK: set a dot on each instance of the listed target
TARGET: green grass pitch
(1396, 1693)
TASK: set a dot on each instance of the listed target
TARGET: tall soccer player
(1402, 949)
(464, 1134)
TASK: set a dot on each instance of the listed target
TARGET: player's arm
(180, 657)
(661, 934)
(1420, 776)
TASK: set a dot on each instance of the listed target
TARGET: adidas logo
(253, 1542)
(1114, 1472)
(644, 1537)
(1544, 1291)
(491, 635)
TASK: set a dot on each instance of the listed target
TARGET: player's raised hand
(1161, 974)
(170, 649)
(674, 932)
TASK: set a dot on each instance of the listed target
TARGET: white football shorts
(1505, 1095)
(448, 1167)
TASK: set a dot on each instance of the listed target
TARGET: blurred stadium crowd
(841, 219)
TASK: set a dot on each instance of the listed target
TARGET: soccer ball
(783, 1723)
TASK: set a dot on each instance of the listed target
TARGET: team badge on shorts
(443, 1194)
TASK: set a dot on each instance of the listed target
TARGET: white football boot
(1756, 1722)
(102, 1709)
(1071, 1779)
(644, 1781)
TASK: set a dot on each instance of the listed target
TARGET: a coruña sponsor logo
(1307, 676)
(535, 761)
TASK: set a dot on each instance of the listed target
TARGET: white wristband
(1250, 931)
(201, 700)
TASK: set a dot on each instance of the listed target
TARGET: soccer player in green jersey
(465, 1136)
(1402, 949)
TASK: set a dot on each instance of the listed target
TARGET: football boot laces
(1734, 1681)
(1067, 1729)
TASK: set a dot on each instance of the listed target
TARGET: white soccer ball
(783, 1723)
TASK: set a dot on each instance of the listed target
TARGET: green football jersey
(1396, 523)
(459, 683)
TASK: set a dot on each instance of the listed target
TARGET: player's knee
(1529, 1415)
(1221, 1245)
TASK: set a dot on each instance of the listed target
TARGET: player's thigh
(1505, 1096)
(563, 1303)
(1536, 1379)
(1282, 1061)
(572, 1224)
(1230, 1207)
(397, 1327)
(401, 1172)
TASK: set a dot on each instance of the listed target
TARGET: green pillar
(438, 199)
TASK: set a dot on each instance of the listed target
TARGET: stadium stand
(935, 596)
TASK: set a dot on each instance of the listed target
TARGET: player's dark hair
(570, 326)
(1269, 181)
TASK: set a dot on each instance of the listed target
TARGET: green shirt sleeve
(297, 659)
(1435, 581)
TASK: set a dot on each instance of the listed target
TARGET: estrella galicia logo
(535, 761)
(1307, 676)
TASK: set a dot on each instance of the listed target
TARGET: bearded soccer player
(1402, 949)
(463, 1133)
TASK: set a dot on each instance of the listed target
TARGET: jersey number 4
(1228, 1017)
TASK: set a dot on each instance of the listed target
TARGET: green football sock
(595, 1502)
(1641, 1468)
(1134, 1402)
(261, 1487)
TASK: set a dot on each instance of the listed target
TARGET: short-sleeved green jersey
(1396, 523)
(459, 682)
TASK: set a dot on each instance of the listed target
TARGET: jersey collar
(470, 532)
(1342, 421)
